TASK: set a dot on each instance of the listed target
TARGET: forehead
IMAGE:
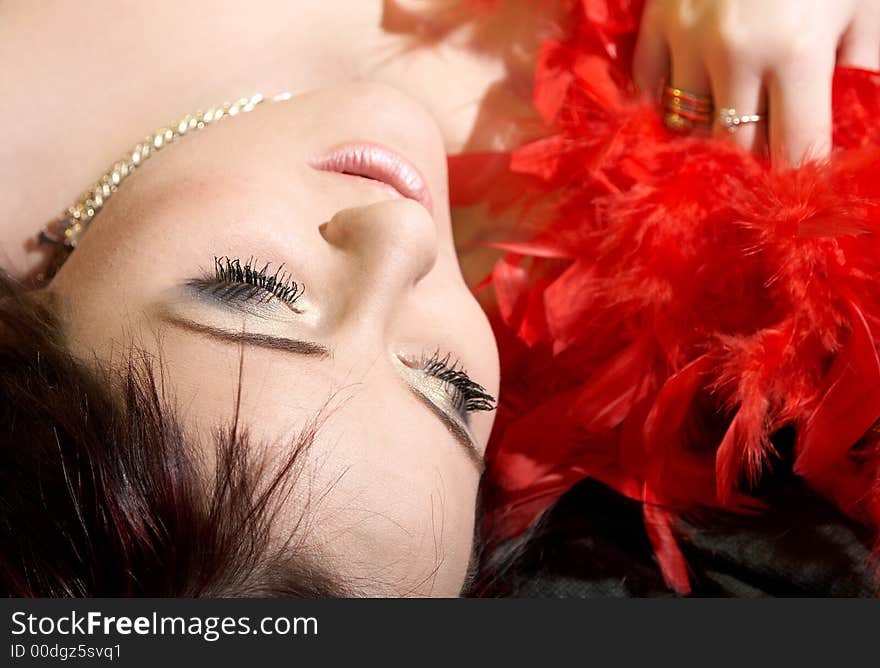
(395, 491)
(400, 484)
(385, 489)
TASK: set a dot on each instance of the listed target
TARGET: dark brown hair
(103, 494)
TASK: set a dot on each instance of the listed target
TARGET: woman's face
(391, 477)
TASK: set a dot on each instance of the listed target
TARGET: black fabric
(593, 543)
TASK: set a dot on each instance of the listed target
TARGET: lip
(379, 163)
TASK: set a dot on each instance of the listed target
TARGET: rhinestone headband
(66, 230)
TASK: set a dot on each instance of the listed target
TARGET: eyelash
(232, 280)
(467, 396)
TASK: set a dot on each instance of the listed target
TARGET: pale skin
(391, 479)
(390, 490)
(383, 283)
(90, 93)
(757, 56)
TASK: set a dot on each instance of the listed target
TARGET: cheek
(485, 346)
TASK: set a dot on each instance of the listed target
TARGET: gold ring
(684, 111)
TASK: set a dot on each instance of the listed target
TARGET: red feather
(848, 409)
(679, 302)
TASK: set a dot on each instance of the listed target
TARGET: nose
(389, 247)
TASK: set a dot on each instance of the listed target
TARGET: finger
(800, 112)
(860, 46)
(688, 73)
(742, 91)
(651, 57)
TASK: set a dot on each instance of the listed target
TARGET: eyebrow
(311, 348)
(267, 341)
(458, 432)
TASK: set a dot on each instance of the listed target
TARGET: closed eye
(236, 284)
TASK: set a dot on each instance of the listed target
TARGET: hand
(774, 57)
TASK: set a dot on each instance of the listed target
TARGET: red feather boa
(681, 301)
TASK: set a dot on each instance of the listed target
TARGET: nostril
(322, 230)
(394, 238)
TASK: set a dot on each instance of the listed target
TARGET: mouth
(375, 162)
